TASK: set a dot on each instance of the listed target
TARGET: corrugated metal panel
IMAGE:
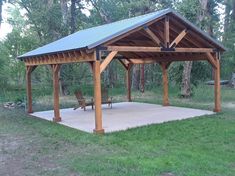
(92, 37)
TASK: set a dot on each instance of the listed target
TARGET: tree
(203, 14)
(229, 39)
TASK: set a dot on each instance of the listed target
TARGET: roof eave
(22, 57)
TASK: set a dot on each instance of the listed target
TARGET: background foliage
(36, 23)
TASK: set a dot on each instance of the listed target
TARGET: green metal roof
(93, 37)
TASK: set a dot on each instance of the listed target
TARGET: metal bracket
(167, 49)
(98, 51)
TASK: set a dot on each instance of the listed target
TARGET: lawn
(202, 146)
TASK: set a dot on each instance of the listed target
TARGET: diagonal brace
(153, 36)
(211, 59)
(107, 60)
(178, 38)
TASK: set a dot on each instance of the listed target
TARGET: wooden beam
(97, 93)
(156, 60)
(217, 86)
(178, 38)
(166, 32)
(128, 82)
(143, 61)
(165, 58)
(194, 50)
(188, 38)
(142, 79)
(29, 70)
(165, 84)
(55, 69)
(131, 32)
(153, 36)
(60, 58)
(157, 49)
(107, 60)
(123, 64)
(211, 60)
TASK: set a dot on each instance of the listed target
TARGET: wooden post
(167, 32)
(217, 86)
(128, 82)
(142, 78)
(29, 70)
(56, 89)
(97, 93)
(165, 84)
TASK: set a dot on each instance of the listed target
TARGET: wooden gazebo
(160, 37)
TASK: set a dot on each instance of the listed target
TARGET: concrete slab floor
(122, 116)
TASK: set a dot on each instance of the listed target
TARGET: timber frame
(163, 41)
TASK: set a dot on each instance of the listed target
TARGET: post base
(166, 104)
(57, 119)
(101, 131)
(30, 112)
(217, 110)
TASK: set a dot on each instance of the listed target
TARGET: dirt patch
(24, 156)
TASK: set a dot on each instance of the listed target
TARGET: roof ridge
(95, 36)
(126, 19)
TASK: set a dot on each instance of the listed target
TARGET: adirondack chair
(82, 101)
(105, 97)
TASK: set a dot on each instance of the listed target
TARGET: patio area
(122, 116)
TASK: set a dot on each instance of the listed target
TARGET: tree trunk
(233, 6)
(186, 87)
(136, 77)
(142, 79)
(0, 13)
(101, 12)
(64, 11)
(186, 77)
(73, 16)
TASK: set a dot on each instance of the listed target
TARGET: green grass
(202, 146)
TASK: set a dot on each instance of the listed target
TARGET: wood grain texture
(55, 70)
(97, 95)
(165, 84)
(107, 60)
(217, 90)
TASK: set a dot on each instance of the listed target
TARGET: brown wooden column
(165, 84)
(97, 94)
(29, 70)
(56, 89)
(217, 86)
(128, 82)
(142, 78)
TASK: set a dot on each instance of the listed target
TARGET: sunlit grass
(199, 146)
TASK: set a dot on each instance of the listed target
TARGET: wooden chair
(105, 99)
(82, 101)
